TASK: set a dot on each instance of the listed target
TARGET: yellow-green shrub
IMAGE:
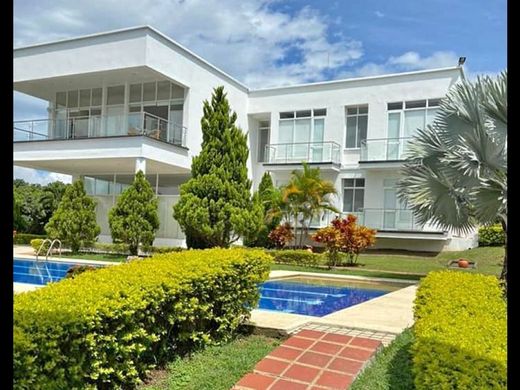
(296, 257)
(107, 328)
(37, 243)
(25, 238)
(492, 235)
(460, 332)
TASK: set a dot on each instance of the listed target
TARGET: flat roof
(197, 58)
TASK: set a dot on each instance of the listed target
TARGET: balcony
(383, 150)
(318, 153)
(383, 220)
(98, 126)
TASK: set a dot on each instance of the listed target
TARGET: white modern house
(131, 99)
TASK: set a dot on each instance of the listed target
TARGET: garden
(175, 318)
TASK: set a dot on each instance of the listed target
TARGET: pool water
(39, 272)
(318, 297)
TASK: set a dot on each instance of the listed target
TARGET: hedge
(460, 332)
(491, 235)
(296, 257)
(108, 328)
(25, 239)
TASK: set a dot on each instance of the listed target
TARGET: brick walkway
(311, 360)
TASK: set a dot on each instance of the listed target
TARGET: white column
(140, 164)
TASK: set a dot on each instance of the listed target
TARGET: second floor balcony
(100, 126)
(384, 150)
(298, 152)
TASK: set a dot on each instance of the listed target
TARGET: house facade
(131, 99)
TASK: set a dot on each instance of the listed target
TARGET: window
(263, 139)
(353, 195)
(416, 114)
(357, 123)
(116, 95)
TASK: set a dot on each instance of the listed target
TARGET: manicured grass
(388, 264)
(375, 274)
(216, 367)
(95, 256)
(391, 368)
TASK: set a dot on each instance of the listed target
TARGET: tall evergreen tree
(264, 196)
(74, 222)
(215, 207)
(134, 219)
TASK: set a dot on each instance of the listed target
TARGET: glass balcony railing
(380, 219)
(133, 124)
(384, 149)
(312, 152)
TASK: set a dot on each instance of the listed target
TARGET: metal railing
(313, 152)
(95, 126)
(380, 219)
(384, 149)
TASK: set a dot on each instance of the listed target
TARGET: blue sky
(266, 43)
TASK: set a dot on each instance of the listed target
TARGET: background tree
(134, 219)
(307, 195)
(215, 207)
(74, 222)
(455, 175)
(264, 196)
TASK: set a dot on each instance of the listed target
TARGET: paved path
(312, 360)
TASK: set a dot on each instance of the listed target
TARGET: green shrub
(25, 239)
(297, 257)
(37, 243)
(112, 248)
(491, 235)
(166, 249)
(107, 329)
(460, 332)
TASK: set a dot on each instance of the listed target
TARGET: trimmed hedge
(25, 239)
(460, 332)
(492, 235)
(296, 257)
(108, 328)
(37, 243)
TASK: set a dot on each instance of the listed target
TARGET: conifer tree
(215, 207)
(264, 196)
(74, 222)
(134, 219)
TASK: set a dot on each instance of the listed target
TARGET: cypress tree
(74, 222)
(265, 198)
(134, 219)
(215, 207)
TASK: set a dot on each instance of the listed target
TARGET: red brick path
(311, 360)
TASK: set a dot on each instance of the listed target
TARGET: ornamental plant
(134, 219)
(74, 222)
(215, 207)
(345, 236)
(281, 235)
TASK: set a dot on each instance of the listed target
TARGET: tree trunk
(503, 274)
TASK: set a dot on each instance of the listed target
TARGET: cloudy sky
(278, 42)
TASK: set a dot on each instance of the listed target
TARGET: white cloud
(249, 39)
(379, 14)
(412, 60)
(40, 177)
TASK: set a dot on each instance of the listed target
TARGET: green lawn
(95, 256)
(389, 264)
(391, 369)
(217, 367)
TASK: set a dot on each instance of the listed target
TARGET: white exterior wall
(100, 55)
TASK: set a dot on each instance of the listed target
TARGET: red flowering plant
(345, 236)
(281, 235)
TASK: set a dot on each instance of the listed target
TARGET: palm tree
(455, 175)
(307, 195)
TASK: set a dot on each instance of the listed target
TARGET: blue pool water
(316, 297)
(39, 272)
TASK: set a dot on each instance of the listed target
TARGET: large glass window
(357, 122)
(353, 195)
(416, 114)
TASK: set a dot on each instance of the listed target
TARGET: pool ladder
(50, 248)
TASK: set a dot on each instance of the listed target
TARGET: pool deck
(390, 313)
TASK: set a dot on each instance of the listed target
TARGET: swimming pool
(39, 272)
(317, 296)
